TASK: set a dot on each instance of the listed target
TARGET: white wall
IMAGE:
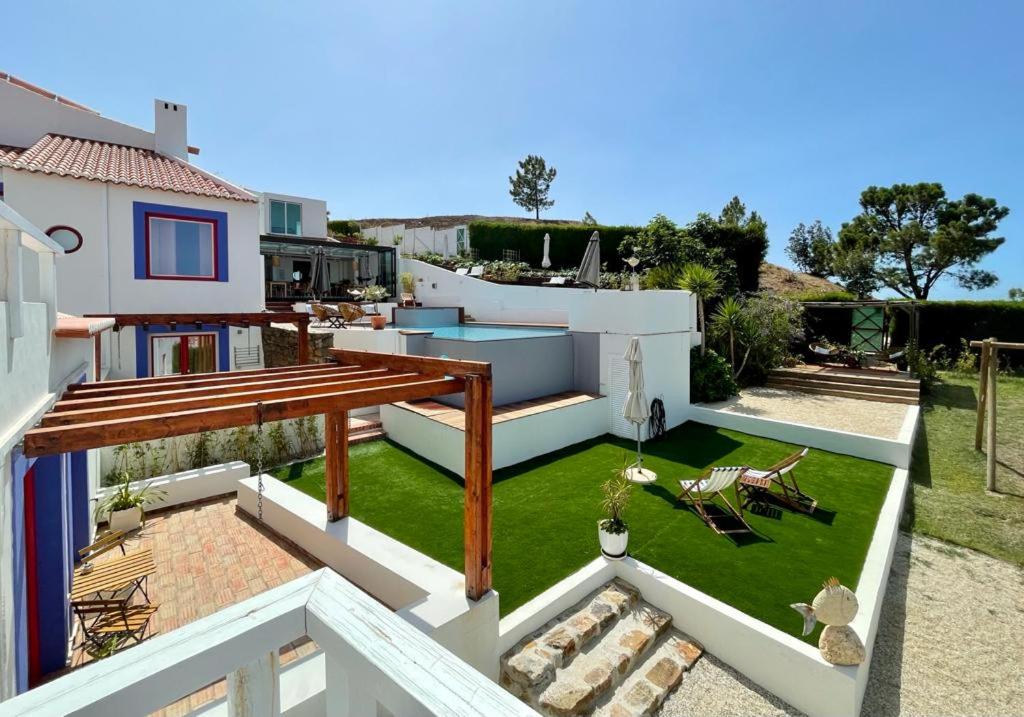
(28, 116)
(419, 240)
(187, 486)
(314, 214)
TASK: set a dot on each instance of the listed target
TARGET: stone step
(529, 667)
(864, 395)
(579, 686)
(642, 693)
(362, 425)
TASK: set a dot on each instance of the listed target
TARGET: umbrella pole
(639, 454)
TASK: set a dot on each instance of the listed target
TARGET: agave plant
(729, 320)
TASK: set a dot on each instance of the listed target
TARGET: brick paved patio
(209, 556)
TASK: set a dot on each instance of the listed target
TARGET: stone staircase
(363, 430)
(851, 383)
(611, 655)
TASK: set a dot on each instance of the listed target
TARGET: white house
(143, 230)
(44, 502)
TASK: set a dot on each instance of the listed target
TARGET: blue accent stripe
(53, 559)
(20, 466)
(142, 344)
(139, 211)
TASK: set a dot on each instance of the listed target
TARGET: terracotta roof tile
(115, 163)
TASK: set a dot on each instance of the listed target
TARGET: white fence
(374, 661)
(421, 240)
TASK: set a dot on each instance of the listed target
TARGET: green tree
(702, 282)
(914, 235)
(811, 248)
(728, 321)
(742, 237)
(531, 184)
(588, 219)
(663, 248)
(1016, 294)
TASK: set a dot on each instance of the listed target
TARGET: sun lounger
(462, 271)
(700, 492)
(556, 281)
(477, 271)
(779, 482)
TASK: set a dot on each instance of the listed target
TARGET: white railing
(372, 657)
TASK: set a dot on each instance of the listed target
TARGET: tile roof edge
(245, 194)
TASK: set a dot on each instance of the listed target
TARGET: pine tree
(531, 184)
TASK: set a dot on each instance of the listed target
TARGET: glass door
(183, 354)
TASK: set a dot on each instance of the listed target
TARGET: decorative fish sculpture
(834, 605)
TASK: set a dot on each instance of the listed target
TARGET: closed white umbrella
(546, 261)
(635, 409)
(590, 268)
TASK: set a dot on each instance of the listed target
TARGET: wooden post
(477, 513)
(303, 340)
(97, 357)
(979, 427)
(336, 464)
(990, 398)
(254, 689)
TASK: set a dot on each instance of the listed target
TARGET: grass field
(546, 512)
(948, 475)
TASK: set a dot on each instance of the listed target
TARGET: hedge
(568, 242)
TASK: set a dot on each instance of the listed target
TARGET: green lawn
(949, 498)
(546, 511)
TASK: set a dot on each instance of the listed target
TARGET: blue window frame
(179, 243)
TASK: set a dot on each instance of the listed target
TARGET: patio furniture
(350, 313)
(119, 577)
(462, 271)
(779, 482)
(327, 316)
(103, 620)
(105, 542)
(477, 271)
(556, 281)
(709, 486)
(822, 352)
(408, 299)
(278, 289)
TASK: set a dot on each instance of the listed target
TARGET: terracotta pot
(378, 322)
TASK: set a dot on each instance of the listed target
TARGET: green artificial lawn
(948, 475)
(546, 512)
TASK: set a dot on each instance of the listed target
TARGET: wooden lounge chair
(350, 313)
(707, 488)
(327, 316)
(105, 619)
(779, 482)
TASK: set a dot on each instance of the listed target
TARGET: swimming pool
(463, 332)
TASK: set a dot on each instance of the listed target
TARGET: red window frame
(182, 350)
(182, 218)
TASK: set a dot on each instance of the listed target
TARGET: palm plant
(704, 283)
(729, 320)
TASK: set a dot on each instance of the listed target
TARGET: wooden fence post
(303, 341)
(979, 427)
(336, 464)
(990, 399)
(477, 509)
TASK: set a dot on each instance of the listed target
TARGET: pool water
(489, 333)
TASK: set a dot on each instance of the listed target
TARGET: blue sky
(407, 109)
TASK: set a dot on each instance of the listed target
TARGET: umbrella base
(636, 474)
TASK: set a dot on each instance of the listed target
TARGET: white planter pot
(126, 520)
(613, 545)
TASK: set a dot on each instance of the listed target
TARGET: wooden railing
(372, 657)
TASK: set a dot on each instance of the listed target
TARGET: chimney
(171, 129)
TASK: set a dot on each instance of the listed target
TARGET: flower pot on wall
(613, 545)
(378, 322)
(126, 520)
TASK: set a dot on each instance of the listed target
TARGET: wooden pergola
(243, 320)
(94, 415)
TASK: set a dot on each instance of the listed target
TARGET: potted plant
(613, 531)
(124, 507)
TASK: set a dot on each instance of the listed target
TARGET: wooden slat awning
(117, 412)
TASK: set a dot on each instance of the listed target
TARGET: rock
(635, 641)
(585, 626)
(600, 677)
(840, 645)
(567, 700)
(642, 697)
(561, 641)
(530, 667)
(666, 674)
(688, 651)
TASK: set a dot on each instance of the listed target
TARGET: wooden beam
(477, 507)
(998, 344)
(184, 321)
(79, 401)
(990, 456)
(336, 464)
(149, 408)
(303, 341)
(97, 356)
(206, 379)
(401, 362)
(979, 423)
(61, 439)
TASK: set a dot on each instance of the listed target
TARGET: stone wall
(281, 345)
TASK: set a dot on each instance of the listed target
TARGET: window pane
(180, 248)
(293, 222)
(277, 217)
(201, 354)
(166, 355)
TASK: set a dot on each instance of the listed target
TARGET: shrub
(947, 322)
(770, 326)
(924, 366)
(710, 377)
(568, 242)
(343, 227)
(820, 295)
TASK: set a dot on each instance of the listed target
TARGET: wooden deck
(456, 417)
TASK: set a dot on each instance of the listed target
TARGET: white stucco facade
(314, 214)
